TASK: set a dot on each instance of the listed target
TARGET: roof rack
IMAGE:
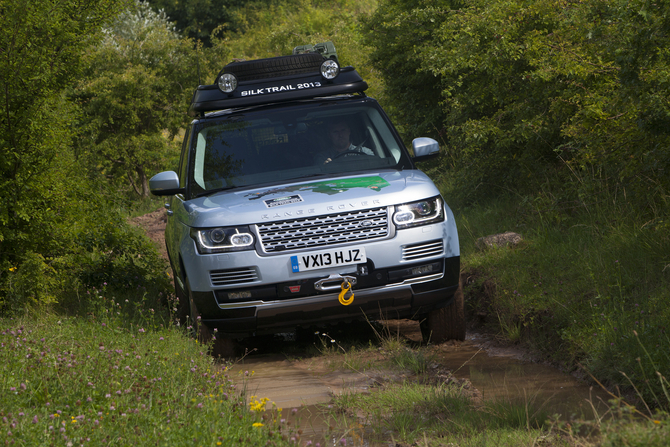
(312, 71)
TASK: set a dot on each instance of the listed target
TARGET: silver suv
(297, 204)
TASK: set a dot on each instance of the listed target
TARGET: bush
(523, 93)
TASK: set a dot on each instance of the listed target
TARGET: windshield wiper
(307, 176)
(212, 191)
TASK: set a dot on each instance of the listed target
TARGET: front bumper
(276, 308)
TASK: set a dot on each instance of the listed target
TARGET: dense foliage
(196, 19)
(554, 116)
(101, 381)
(55, 228)
(136, 88)
(519, 90)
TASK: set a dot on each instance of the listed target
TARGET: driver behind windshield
(339, 136)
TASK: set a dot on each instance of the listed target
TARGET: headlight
(330, 69)
(423, 212)
(227, 83)
(217, 240)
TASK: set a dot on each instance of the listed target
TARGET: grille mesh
(332, 229)
(419, 251)
(233, 276)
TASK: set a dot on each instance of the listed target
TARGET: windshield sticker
(271, 203)
(330, 187)
(281, 88)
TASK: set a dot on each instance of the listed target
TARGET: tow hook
(334, 282)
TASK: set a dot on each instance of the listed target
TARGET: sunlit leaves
(524, 86)
(136, 94)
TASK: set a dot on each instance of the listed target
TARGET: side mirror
(165, 184)
(425, 148)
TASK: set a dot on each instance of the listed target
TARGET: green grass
(420, 414)
(588, 285)
(384, 350)
(654, 432)
(99, 381)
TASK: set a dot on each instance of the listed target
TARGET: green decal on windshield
(330, 187)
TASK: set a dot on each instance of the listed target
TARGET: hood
(308, 198)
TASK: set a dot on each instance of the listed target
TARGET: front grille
(233, 276)
(332, 229)
(425, 250)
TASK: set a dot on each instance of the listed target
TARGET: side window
(183, 161)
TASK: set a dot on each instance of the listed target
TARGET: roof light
(330, 69)
(227, 82)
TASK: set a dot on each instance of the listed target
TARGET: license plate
(328, 258)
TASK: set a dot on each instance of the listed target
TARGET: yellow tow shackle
(346, 288)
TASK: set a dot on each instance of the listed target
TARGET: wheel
(221, 347)
(447, 323)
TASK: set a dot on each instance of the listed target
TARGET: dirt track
(154, 225)
(490, 367)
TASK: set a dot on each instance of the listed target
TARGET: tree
(41, 44)
(196, 19)
(136, 94)
(525, 91)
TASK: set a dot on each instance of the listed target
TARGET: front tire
(447, 323)
(221, 347)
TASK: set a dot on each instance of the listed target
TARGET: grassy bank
(414, 404)
(100, 380)
(588, 287)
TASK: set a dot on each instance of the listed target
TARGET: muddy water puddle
(303, 390)
(501, 375)
(303, 396)
(504, 373)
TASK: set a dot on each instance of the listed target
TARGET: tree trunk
(132, 183)
(143, 181)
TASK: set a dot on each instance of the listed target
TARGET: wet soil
(302, 378)
(296, 374)
(154, 225)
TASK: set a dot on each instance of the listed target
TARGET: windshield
(280, 144)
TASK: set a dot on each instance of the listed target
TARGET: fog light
(422, 270)
(227, 82)
(330, 69)
(239, 295)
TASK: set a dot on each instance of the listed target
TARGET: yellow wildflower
(257, 424)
